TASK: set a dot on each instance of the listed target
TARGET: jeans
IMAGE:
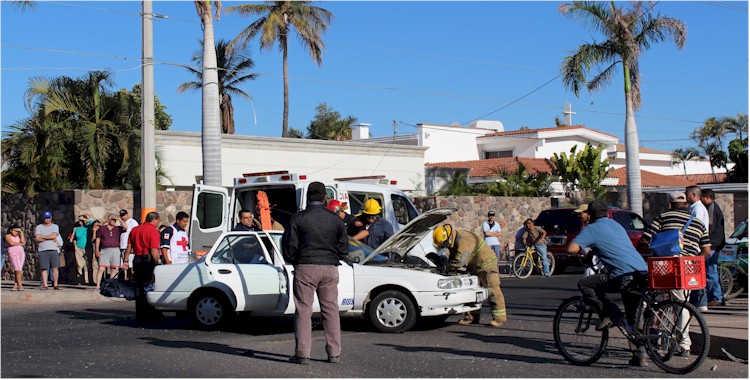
(713, 285)
(541, 249)
(496, 249)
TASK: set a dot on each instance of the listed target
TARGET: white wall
(448, 143)
(320, 160)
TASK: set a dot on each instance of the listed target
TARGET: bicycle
(732, 273)
(661, 323)
(525, 263)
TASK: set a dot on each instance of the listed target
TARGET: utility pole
(148, 151)
(394, 132)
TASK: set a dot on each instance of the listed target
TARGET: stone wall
(67, 205)
(512, 211)
(656, 203)
(472, 211)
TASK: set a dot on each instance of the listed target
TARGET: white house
(181, 156)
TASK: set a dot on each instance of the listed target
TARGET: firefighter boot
(496, 323)
(470, 319)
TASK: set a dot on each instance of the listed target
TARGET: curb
(34, 295)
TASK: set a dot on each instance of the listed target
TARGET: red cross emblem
(183, 243)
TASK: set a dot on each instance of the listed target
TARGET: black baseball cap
(123, 212)
(597, 209)
(491, 213)
(316, 192)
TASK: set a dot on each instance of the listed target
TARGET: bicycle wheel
(737, 277)
(726, 280)
(574, 330)
(551, 261)
(522, 266)
(667, 326)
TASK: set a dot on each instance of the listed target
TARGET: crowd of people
(317, 239)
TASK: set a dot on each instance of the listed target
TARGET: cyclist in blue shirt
(626, 270)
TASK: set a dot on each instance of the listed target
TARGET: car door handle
(224, 271)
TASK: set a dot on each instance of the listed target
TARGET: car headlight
(449, 283)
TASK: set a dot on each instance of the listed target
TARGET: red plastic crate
(677, 272)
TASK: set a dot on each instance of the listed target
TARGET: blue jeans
(541, 249)
(496, 249)
(713, 286)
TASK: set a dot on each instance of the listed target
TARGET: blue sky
(413, 62)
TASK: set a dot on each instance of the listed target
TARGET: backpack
(669, 243)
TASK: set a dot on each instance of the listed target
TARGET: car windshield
(562, 221)
(359, 251)
(741, 231)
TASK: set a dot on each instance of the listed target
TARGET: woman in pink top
(15, 242)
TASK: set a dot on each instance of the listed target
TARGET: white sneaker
(703, 308)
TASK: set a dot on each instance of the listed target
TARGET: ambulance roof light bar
(374, 179)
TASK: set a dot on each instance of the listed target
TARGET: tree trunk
(211, 128)
(632, 158)
(284, 53)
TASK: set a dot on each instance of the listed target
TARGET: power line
(724, 5)
(515, 101)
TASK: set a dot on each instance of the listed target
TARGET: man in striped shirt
(695, 236)
(696, 243)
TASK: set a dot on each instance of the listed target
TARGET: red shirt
(143, 238)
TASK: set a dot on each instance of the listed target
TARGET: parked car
(563, 225)
(392, 286)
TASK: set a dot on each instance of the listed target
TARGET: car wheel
(210, 310)
(392, 312)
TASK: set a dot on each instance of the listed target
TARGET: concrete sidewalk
(33, 294)
(728, 324)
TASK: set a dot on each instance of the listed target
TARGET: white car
(246, 272)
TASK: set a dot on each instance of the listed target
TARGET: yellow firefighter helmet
(372, 207)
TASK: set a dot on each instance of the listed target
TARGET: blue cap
(46, 214)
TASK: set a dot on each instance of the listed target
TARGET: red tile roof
(650, 179)
(621, 148)
(700, 179)
(489, 167)
(526, 131)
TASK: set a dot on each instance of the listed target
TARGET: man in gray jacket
(315, 242)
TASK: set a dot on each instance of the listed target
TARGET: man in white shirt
(491, 231)
(698, 211)
(174, 241)
(132, 223)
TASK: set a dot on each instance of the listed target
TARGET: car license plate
(557, 240)
(480, 296)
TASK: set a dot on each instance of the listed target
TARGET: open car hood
(411, 234)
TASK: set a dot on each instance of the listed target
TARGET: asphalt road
(103, 340)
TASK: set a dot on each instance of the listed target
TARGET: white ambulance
(215, 208)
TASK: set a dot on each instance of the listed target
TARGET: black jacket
(716, 227)
(315, 236)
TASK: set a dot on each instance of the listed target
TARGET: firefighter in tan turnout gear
(470, 254)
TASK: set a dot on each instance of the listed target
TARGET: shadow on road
(475, 354)
(218, 348)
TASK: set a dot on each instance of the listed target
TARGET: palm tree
(681, 156)
(277, 19)
(736, 125)
(23, 5)
(628, 32)
(211, 128)
(85, 106)
(710, 144)
(233, 65)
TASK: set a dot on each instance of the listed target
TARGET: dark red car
(562, 225)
